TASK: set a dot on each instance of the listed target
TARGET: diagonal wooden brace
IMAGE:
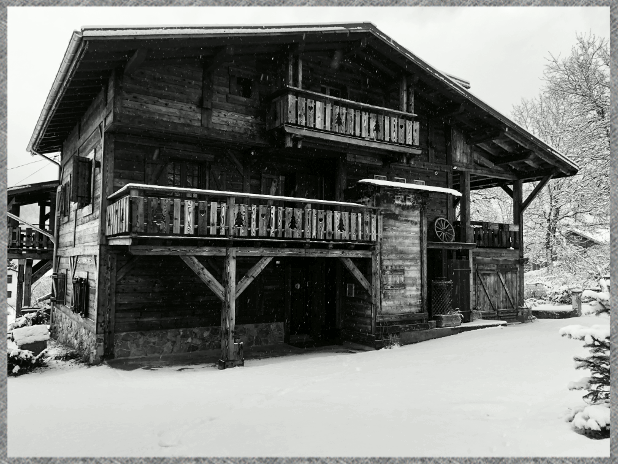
(347, 262)
(251, 275)
(204, 275)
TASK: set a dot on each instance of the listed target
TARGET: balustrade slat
(409, 135)
(213, 217)
(350, 122)
(272, 223)
(202, 217)
(243, 220)
(364, 124)
(280, 221)
(223, 220)
(253, 221)
(415, 132)
(291, 109)
(301, 111)
(394, 122)
(176, 220)
(329, 225)
(328, 116)
(189, 217)
(314, 223)
(372, 126)
(263, 220)
(321, 225)
(345, 234)
(387, 128)
(287, 222)
(319, 115)
(353, 222)
(297, 231)
(307, 216)
(373, 227)
(310, 112)
(337, 225)
(401, 131)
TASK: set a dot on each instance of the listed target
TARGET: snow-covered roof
(403, 185)
(599, 236)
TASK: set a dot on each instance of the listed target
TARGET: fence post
(576, 300)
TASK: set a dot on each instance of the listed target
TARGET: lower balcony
(146, 212)
(25, 242)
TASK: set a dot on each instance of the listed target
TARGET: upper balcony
(145, 212)
(303, 113)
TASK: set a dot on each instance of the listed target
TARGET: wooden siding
(401, 262)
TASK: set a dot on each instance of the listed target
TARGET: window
(59, 287)
(64, 201)
(243, 87)
(9, 279)
(9, 293)
(186, 174)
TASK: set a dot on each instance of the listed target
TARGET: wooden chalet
(225, 187)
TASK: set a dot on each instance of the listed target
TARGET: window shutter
(80, 296)
(80, 193)
(59, 285)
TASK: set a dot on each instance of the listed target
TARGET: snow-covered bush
(561, 295)
(593, 420)
(21, 361)
(38, 318)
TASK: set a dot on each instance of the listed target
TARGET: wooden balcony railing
(27, 239)
(149, 210)
(297, 107)
(493, 235)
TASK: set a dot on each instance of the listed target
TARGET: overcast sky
(500, 50)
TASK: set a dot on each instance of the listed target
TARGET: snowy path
(490, 392)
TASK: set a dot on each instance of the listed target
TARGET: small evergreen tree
(593, 420)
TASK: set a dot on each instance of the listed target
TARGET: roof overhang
(94, 52)
(406, 186)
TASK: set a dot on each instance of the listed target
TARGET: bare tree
(572, 115)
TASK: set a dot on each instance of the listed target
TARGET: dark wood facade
(210, 180)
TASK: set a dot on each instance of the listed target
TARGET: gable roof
(93, 53)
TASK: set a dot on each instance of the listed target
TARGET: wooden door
(300, 300)
(459, 272)
(495, 287)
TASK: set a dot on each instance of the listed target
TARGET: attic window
(241, 86)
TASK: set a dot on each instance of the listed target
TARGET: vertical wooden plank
(141, 205)
(272, 223)
(364, 124)
(314, 223)
(394, 123)
(310, 113)
(291, 110)
(328, 116)
(374, 227)
(329, 225)
(263, 220)
(372, 126)
(350, 122)
(366, 226)
(409, 135)
(302, 111)
(189, 217)
(319, 115)
(337, 225)
(243, 220)
(387, 128)
(335, 118)
(307, 222)
(253, 221)
(297, 232)
(21, 269)
(353, 222)
(345, 233)
(518, 220)
(280, 221)
(321, 225)
(343, 113)
(229, 219)
(213, 218)
(288, 221)
(176, 223)
(223, 221)
(401, 131)
(202, 218)
(416, 133)
(28, 283)
(357, 123)
(228, 310)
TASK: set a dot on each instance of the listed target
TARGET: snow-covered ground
(489, 392)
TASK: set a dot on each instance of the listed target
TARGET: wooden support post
(230, 356)
(376, 277)
(28, 283)
(518, 219)
(21, 264)
(106, 302)
(464, 208)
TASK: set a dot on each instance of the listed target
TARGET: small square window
(9, 278)
(9, 293)
(241, 86)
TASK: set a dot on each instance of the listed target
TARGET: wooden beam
(507, 189)
(205, 276)
(483, 136)
(518, 219)
(251, 275)
(512, 159)
(135, 61)
(530, 146)
(128, 266)
(229, 356)
(258, 252)
(347, 262)
(239, 166)
(40, 268)
(535, 192)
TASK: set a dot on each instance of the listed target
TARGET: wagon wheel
(444, 230)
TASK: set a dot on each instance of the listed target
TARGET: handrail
(224, 193)
(42, 231)
(287, 88)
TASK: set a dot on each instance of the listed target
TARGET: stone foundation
(160, 342)
(70, 331)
